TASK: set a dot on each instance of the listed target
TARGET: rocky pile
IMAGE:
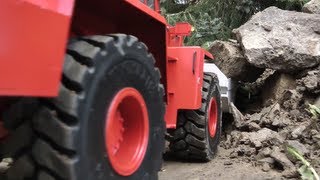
(274, 105)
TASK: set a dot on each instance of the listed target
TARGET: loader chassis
(59, 50)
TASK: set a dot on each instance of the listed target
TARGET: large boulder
(312, 6)
(281, 40)
(230, 60)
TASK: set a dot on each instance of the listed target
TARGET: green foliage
(306, 171)
(215, 19)
(205, 27)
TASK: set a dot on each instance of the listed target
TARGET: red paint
(93, 17)
(32, 48)
(177, 34)
(60, 6)
(212, 117)
(35, 32)
(150, 12)
(127, 131)
(184, 77)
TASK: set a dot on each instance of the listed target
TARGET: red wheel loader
(90, 88)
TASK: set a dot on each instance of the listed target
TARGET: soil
(221, 168)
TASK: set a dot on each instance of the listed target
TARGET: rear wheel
(198, 131)
(107, 122)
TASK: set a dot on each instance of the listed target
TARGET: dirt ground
(221, 168)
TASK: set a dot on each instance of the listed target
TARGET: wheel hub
(127, 131)
(212, 117)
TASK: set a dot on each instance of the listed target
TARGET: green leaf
(306, 173)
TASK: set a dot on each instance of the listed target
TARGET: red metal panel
(33, 36)
(144, 8)
(184, 80)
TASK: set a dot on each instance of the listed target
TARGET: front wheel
(198, 131)
(107, 122)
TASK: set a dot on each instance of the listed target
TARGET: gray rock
(238, 118)
(312, 6)
(263, 136)
(298, 146)
(253, 126)
(266, 167)
(317, 102)
(281, 40)
(243, 150)
(311, 82)
(297, 132)
(268, 160)
(228, 163)
(275, 86)
(281, 158)
(230, 60)
(291, 99)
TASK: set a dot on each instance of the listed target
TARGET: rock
(256, 117)
(238, 118)
(276, 85)
(5, 164)
(281, 158)
(312, 6)
(271, 115)
(233, 155)
(290, 99)
(266, 167)
(253, 126)
(290, 173)
(311, 82)
(266, 151)
(317, 102)
(264, 135)
(268, 160)
(227, 163)
(316, 138)
(289, 43)
(243, 150)
(297, 132)
(230, 60)
(298, 146)
(274, 116)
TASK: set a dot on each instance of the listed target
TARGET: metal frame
(34, 36)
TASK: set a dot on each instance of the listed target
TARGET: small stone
(8, 160)
(268, 160)
(227, 163)
(266, 167)
(267, 27)
(290, 173)
(254, 126)
(297, 132)
(316, 137)
(233, 155)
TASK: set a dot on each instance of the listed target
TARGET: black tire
(68, 131)
(191, 139)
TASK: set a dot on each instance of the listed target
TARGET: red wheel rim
(212, 117)
(127, 131)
